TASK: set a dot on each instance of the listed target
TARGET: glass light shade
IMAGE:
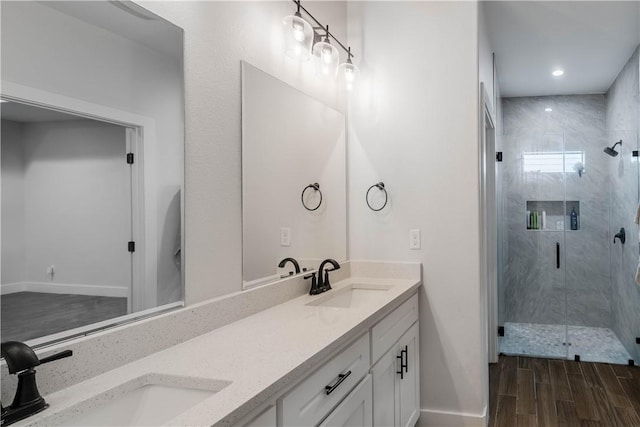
(298, 36)
(326, 57)
(348, 74)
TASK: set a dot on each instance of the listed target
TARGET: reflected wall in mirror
(290, 141)
(92, 152)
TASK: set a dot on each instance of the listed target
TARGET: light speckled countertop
(259, 356)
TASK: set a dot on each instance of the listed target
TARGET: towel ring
(314, 186)
(379, 186)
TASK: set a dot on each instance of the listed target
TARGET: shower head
(612, 150)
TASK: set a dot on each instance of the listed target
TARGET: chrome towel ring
(379, 186)
(315, 186)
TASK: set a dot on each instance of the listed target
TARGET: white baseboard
(433, 418)
(65, 288)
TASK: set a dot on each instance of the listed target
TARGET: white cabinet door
(396, 394)
(355, 410)
(409, 384)
(385, 392)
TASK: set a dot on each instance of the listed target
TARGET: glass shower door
(602, 298)
(535, 304)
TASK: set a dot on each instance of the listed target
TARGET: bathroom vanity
(348, 355)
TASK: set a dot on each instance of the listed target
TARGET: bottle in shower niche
(574, 219)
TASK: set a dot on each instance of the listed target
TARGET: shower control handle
(620, 235)
(557, 254)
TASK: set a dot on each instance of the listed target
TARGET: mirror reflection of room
(66, 211)
(92, 167)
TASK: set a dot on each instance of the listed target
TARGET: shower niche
(552, 215)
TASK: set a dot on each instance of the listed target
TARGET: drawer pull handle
(329, 388)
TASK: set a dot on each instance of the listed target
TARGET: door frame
(488, 221)
(141, 140)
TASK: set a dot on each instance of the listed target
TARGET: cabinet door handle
(329, 388)
(401, 372)
(558, 255)
(406, 359)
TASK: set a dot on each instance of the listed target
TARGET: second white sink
(150, 400)
(356, 293)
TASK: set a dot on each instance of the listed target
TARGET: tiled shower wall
(623, 116)
(534, 289)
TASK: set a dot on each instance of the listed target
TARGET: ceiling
(28, 114)
(590, 40)
(128, 20)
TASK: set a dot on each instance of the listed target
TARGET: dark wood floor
(543, 392)
(28, 315)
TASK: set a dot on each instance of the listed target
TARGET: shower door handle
(557, 254)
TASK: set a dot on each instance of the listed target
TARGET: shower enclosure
(566, 289)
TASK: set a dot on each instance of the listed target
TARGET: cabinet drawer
(308, 402)
(389, 330)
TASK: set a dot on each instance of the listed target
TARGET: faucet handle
(57, 356)
(20, 357)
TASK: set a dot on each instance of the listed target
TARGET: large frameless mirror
(92, 167)
(293, 180)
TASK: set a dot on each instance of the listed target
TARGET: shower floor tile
(591, 344)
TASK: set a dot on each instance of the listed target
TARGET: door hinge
(499, 156)
(129, 158)
(131, 246)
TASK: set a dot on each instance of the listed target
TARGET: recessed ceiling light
(548, 109)
(558, 73)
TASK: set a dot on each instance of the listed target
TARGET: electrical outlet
(414, 239)
(285, 236)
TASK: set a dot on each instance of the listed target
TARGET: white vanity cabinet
(396, 376)
(396, 383)
(308, 403)
(374, 381)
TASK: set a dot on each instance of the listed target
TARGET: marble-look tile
(535, 290)
(623, 116)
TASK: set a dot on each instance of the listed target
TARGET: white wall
(72, 208)
(414, 125)
(13, 250)
(77, 203)
(47, 50)
(218, 35)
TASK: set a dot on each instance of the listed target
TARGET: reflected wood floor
(527, 391)
(28, 315)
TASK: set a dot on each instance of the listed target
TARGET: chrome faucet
(21, 359)
(296, 266)
(323, 284)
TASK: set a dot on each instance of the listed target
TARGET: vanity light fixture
(299, 35)
(557, 73)
(302, 41)
(326, 57)
(348, 72)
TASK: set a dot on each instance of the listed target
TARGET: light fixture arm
(326, 29)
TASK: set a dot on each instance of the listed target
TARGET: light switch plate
(285, 236)
(414, 239)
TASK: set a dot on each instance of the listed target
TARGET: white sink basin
(150, 400)
(350, 295)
